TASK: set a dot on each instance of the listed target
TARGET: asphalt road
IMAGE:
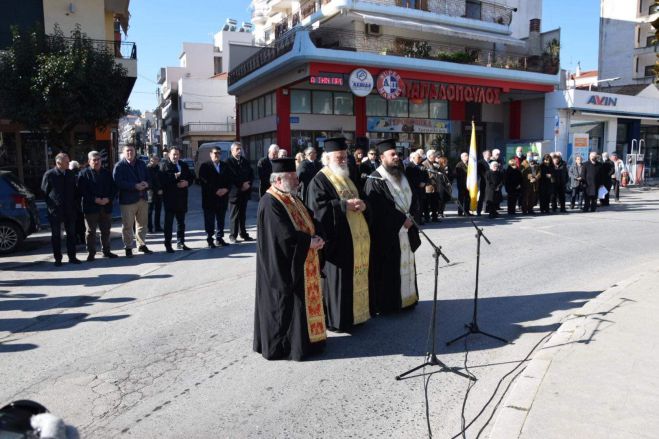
(160, 345)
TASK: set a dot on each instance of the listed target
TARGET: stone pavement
(596, 377)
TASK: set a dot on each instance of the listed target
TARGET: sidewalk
(596, 377)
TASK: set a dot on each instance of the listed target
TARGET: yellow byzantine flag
(472, 170)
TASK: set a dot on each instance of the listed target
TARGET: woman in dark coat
(513, 183)
(493, 197)
(546, 182)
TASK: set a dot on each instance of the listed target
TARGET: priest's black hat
(283, 165)
(386, 145)
(335, 144)
(362, 143)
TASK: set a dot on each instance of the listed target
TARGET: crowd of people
(350, 219)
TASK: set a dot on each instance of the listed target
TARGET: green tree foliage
(51, 83)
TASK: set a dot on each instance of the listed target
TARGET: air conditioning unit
(373, 29)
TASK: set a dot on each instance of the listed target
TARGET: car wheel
(11, 237)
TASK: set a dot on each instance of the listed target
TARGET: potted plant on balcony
(551, 56)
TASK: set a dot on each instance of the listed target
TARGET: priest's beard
(394, 170)
(340, 169)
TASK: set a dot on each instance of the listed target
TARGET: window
(419, 109)
(438, 109)
(268, 105)
(376, 105)
(301, 101)
(343, 103)
(649, 70)
(217, 65)
(322, 102)
(261, 102)
(473, 9)
(398, 107)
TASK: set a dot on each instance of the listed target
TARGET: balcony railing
(207, 127)
(328, 38)
(477, 10)
(264, 56)
(118, 49)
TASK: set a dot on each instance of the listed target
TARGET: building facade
(417, 70)
(194, 104)
(26, 153)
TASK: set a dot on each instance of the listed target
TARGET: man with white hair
(592, 178)
(264, 168)
(461, 181)
(418, 179)
(97, 190)
(289, 320)
(334, 200)
(308, 170)
(282, 154)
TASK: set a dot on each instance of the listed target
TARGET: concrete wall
(532, 124)
(324, 122)
(526, 10)
(217, 106)
(263, 125)
(197, 59)
(90, 14)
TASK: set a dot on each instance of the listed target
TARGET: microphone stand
(472, 327)
(431, 356)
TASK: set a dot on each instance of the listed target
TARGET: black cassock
(385, 222)
(280, 319)
(338, 252)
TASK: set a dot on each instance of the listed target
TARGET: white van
(204, 152)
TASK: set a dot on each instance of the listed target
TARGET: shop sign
(361, 82)
(407, 125)
(603, 100)
(452, 92)
(326, 80)
(390, 85)
(295, 119)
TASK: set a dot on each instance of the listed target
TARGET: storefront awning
(616, 114)
(439, 29)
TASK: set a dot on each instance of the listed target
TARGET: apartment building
(194, 104)
(418, 70)
(106, 22)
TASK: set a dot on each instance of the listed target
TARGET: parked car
(190, 164)
(18, 212)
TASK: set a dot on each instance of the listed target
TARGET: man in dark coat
(608, 171)
(371, 163)
(394, 237)
(175, 178)
(215, 181)
(155, 194)
(97, 190)
(335, 202)
(512, 180)
(592, 179)
(264, 168)
(289, 321)
(242, 176)
(308, 170)
(494, 184)
(355, 163)
(559, 181)
(576, 181)
(461, 180)
(59, 187)
(418, 178)
(483, 167)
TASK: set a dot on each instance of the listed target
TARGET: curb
(511, 418)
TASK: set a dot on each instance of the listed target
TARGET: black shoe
(247, 238)
(144, 249)
(110, 255)
(169, 249)
(182, 246)
(129, 252)
(91, 257)
(221, 243)
(58, 263)
(211, 244)
(74, 260)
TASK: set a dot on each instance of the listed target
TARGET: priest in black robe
(289, 320)
(394, 237)
(335, 202)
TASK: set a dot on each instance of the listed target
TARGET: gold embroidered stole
(313, 298)
(361, 245)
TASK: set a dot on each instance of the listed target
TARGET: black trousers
(512, 201)
(545, 198)
(180, 227)
(56, 235)
(238, 213)
(155, 207)
(616, 189)
(481, 196)
(590, 203)
(431, 208)
(605, 201)
(213, 217)
(558, 198)
(464, 200)
(577, 193)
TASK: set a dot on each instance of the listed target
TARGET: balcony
(207, 128)
(266, 55)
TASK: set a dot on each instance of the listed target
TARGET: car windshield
(16, 184)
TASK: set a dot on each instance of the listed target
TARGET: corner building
(418, 70)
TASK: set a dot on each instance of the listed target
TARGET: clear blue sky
(160, 27)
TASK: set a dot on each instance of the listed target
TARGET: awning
(439, 29)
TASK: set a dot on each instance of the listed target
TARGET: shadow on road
(51, 322)
(407, 332)
(96, 281)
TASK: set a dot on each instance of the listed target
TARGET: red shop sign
(390, 85)
(451, 92)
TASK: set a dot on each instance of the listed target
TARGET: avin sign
(603, 100)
